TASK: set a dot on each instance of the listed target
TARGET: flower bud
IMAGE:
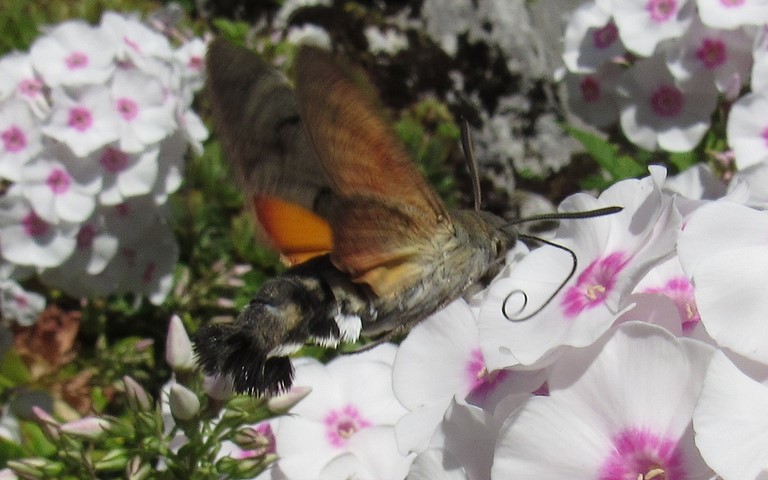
(138, 398)
(7, 474)
(258, 438)
(114, 460)
(87, 427)
(178, 347)
(48, 424)
(183, 402)
(286, 401)
(29, 468)
(218, 387)
(136, 470)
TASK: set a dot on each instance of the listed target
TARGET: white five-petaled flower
(614, 252)
(73, 53)
(349, 396)
(20, 138)
(84, 122)
(658, 110)
(620, 409)
(591, 39)
(59, 186)
(27, 239)
(145, 111)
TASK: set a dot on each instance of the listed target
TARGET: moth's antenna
(543, 217)
(551, 297)
(469, 154)
(599, 212)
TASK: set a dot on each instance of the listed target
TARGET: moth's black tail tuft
(231, 350)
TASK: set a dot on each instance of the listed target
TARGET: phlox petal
(747, 129)
(644, 23)
(729, 14)
(372, 455)
(718, 227)
(731, 421)
(730, 293)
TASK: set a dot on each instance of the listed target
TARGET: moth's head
(488, 233)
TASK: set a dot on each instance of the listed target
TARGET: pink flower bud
(178, 347)
(183, 402)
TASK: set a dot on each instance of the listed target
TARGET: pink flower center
(30, 87)
(127, 108)
(765, 136)
(590, 89)
(76, 60)
(481, 381)
(638, 453)
(604, 37)
(21, 302)
(195, 63)
(593, 285)
(132, 45)
(667, 101)
(711, 52)
(85, 236)
(14, 139)
(341, 424)
(732, 3)
(114, 160)
(680, 290)
(129, 255)
(80, 119)
(123, 209)
(34, 226)
(58, 181)
(661, 10)
(149, 272)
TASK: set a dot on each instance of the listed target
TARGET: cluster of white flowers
(94, 122)
(662, 67)
(651, 362)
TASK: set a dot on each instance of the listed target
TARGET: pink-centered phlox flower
(145, 111)
(593, 97)
(349, 395)
(20, 138)
(619, 409)
(613, 253)
(59, 186)
(591, 39)
(660, 111)
(442, 360)
(725, 55)
(85, 121)
(27, 239)
(73, 54)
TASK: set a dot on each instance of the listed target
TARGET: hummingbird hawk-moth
(372, 248)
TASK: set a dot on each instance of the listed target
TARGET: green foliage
(430, 134)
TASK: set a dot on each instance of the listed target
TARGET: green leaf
(12, 370)
(683, 160)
